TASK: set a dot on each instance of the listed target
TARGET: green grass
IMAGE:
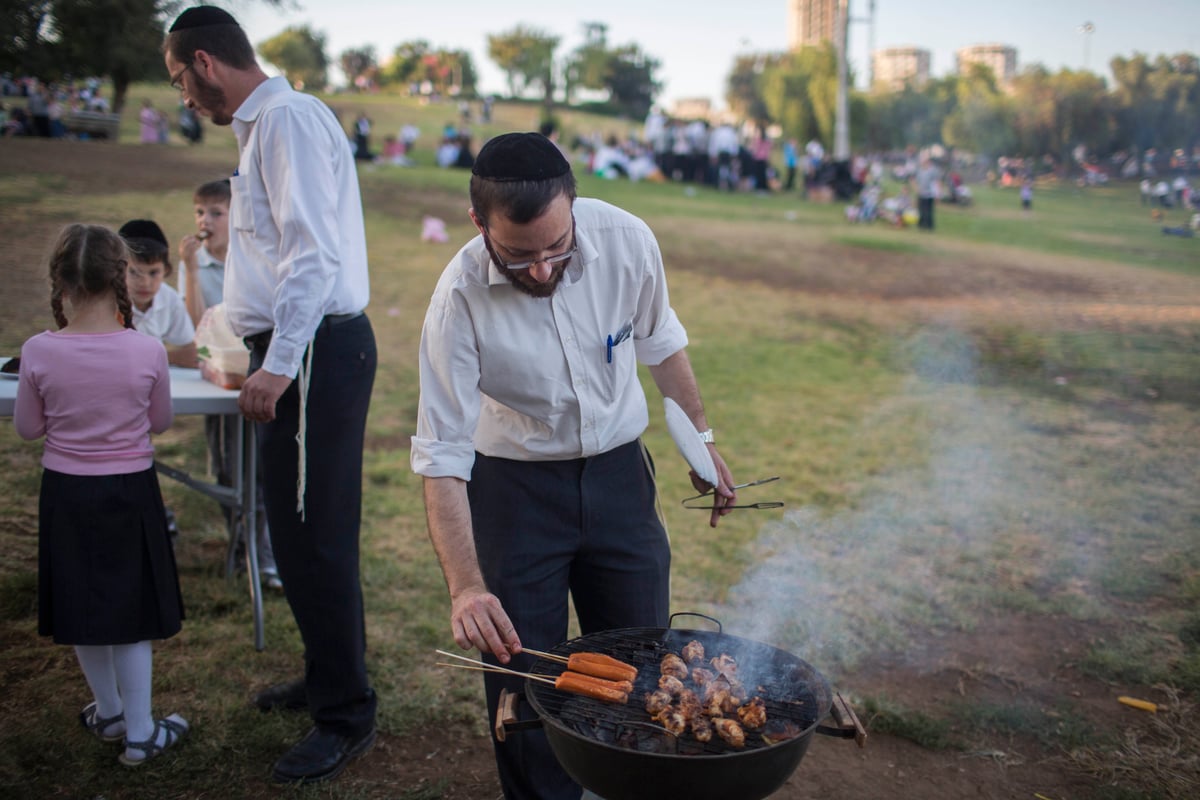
(938, 466)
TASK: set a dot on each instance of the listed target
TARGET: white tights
(119, 677)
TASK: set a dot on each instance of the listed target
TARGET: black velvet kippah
(520, 157)
(143, 229)
(199, 16)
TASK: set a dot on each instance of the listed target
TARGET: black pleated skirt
(106, 566)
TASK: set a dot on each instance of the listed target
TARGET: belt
(263, 340)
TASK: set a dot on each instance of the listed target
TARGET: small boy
(202, 255)
(202, 284)
(157, 309)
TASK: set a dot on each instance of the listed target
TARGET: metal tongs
(709, 493)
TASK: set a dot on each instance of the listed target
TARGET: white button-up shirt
(297, 246)
(529, 378)
(166, 319)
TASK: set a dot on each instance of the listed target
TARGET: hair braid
(56, 303)
(124, 306)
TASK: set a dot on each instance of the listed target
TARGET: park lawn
(938, 459)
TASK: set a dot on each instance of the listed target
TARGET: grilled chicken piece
(780, 730)
(720, 704)
(702, 728)
(693, 653)
(753, 715)
(717, 684)
(673, 665)
(726, 665)
(657, 701)
(670, 684)
(737, 690)
(730, 731)
(673, 720)
(701, 677)
(690, 705)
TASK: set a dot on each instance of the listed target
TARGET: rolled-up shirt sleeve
(448, 411)
(657, 331)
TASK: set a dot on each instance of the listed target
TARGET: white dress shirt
(166, 319)
(297, 246)
(528, 378)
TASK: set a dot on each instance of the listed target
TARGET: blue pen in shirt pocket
(616, 338)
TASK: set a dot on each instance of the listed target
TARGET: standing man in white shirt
(528, 430)
(295, 287)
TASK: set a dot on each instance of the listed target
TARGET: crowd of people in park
(30, 107)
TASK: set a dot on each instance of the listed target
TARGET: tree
(359, 66)
(630, 80)
(416, 62)
(526, 56)
(22, 49)
(982, 119)
(744, 85)
(587, 66)
(300, 53)
(404, 66)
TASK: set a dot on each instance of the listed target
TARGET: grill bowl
(618, 753)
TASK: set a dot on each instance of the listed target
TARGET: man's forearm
(448, 513)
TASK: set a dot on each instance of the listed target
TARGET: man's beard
(210, 98)
(533, 289)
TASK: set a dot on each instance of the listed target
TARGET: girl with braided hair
(107, 583)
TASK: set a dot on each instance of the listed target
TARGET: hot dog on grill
(591, 686)
(601, 666)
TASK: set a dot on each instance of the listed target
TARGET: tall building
(811, 22)
(894, 67)
(1000, 57)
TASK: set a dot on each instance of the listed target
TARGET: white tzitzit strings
(305, 378)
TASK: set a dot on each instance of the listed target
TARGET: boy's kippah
(200, 16)
(520, 157)
(143, 229)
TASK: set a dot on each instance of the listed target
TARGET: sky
(697, 41)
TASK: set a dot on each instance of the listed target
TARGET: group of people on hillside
(512, 447)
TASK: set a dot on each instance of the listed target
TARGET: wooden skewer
(489, 668)
(541, 654)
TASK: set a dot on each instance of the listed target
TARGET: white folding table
(191, 394)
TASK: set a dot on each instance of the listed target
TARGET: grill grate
(790, 689)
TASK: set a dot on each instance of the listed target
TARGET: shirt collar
(253, 105)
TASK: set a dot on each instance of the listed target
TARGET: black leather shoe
(321, 755)
(290, 696)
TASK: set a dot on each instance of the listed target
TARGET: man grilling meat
(536, 481)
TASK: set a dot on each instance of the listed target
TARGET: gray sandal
(173, 732)
(99, 726)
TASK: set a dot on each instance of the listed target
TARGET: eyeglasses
(550, 260)
(709, 493)
(177, 78)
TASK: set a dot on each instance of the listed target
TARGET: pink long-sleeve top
(96, 398)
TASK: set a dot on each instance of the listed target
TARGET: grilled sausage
(589, 686)
(602, 666)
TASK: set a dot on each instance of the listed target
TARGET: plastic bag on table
(224, 359)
